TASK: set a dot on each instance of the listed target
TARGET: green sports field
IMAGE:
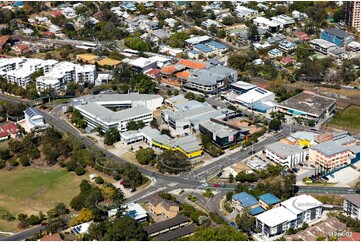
(347, 119)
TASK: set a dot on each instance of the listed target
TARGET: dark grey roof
(179, 219)
(160, 33)
(354, 199)
(337, 32)
(155, 200)
(177, 233)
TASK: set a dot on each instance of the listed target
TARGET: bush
(229, 196)
(192, 198)
(80, 171)
(99, 180)
(208, 193)
(24, 160)
(2, 164)
(13, 162)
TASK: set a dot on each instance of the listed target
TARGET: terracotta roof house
(302, 36)
(52, 237)
(287, 60)
(7, 130)
(21, 49)
(192, 64)
(3, 40)
(56, 13)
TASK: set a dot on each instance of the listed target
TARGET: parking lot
(345, 177)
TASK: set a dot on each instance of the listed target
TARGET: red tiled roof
(153, 72)
(47, 33)
(3, 40)
(52, 237)
(56, 13)
(183, 74)
(302, 35)
(169, 69)
(7, 129)
(191, 64)
(21, 47)
(355, 236)
(287, 60)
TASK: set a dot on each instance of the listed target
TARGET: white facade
(292, 213)
(285, 154)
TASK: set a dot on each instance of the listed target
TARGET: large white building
(285, 154)
(292, 213)
(132, 107)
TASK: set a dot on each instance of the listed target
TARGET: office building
(285, 154)
(129, 107)
(329, 154)
(337, 36)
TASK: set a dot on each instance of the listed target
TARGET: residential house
(302, 36)
(197, 40)
(287, 61)
(243, 12)
(21, 49)
(269, 200)
(287, 46)
(34, 119)
(170, 22)
(160, 206)
(4, 40)
(298, 15)
(209, 22)
(8, 130)
(351, 205)
(283, 20)
(55, 29)
(159, 36)
(337, 36)
(167, 226)
(68, 12)
(274, 53)
(243, 200)
(164, 49)
(51, 237)
(264, 23)
(129, 6)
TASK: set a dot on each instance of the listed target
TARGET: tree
(213, 29)
(275, 124)
(246, 221)
(228, 20)
(111, 136)
(253, 34)
(222, 233)
(4, 154)
(231, 178)
(172, 162)
(339, 14)
(99, 180)
(24, 160)
(145, 156)
(165, 131)
(85, 215)
(153, 123)
(229, 196)
(79, 171)
(23, 219)
(124, 229)
(99, 129)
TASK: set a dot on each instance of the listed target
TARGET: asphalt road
(24, 234)
(325, 190)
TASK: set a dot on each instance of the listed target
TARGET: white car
(205, 184)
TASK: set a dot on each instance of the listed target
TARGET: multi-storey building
(351, 205)
(337, 36)
(285, 154)
(352, 14)
(329, 154)
(292, 213)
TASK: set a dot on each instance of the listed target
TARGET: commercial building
(285, 154)
(269, 200)
(222, 135)
(186, 120)
(351, 205)
(244, 200)
(308, 105)
(132, 107)
(133, 210)
(292, 213)
(337, 36)
(241, 87)
(301, 138)
(254, 96)
(329, 155)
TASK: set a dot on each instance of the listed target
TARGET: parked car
(133, 190)
(221, 184)
(205, 184)
(295, 169)
(216, 185)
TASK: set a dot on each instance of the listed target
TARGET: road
(24, 234)
(325, 190)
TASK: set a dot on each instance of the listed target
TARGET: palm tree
(99, 129)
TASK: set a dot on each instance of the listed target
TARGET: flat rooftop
(283, 150)
(329, 148)
(220, 130)
(306, 102)
(276, 216)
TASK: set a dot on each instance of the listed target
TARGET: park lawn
(50, 187)
(348, 119)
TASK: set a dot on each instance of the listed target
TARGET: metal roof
(354, 199)
(179, 219)
(269, 199)
(203, 48)
(216, 45)
(257, 210)
(329, 148)
(283, 150)
(245, 199)
(337, 32)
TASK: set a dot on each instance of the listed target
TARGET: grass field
(24, 189)
(348, 119)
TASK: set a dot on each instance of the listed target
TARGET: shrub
(80, 171)
(99, 180)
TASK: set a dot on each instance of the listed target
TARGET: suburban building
(197, 40)
(8, 130)
(159, 35)
(209, 22)
(283, 20)
(21, 49)
(298, 15)
(160, 206)
(51, 237)
(166, 226)
(292, 213)
(301, 138)
(308, 105)
(34, 119)
(222, 135)
(172, 101)
(244, 200)
(337, 36)
(352, 12)
(133, 210)
(351, 205)
(186, 119)
(302, 36)
(287, 45)
(241, 87)
(244, 12)
(275, 53)
(264, 23)
(285, 154)
(133, 107)
(322, 46)
(81, 228)
(269, 200)
(329, 155)
(100, 60)
(177, 233)
(143, 64)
